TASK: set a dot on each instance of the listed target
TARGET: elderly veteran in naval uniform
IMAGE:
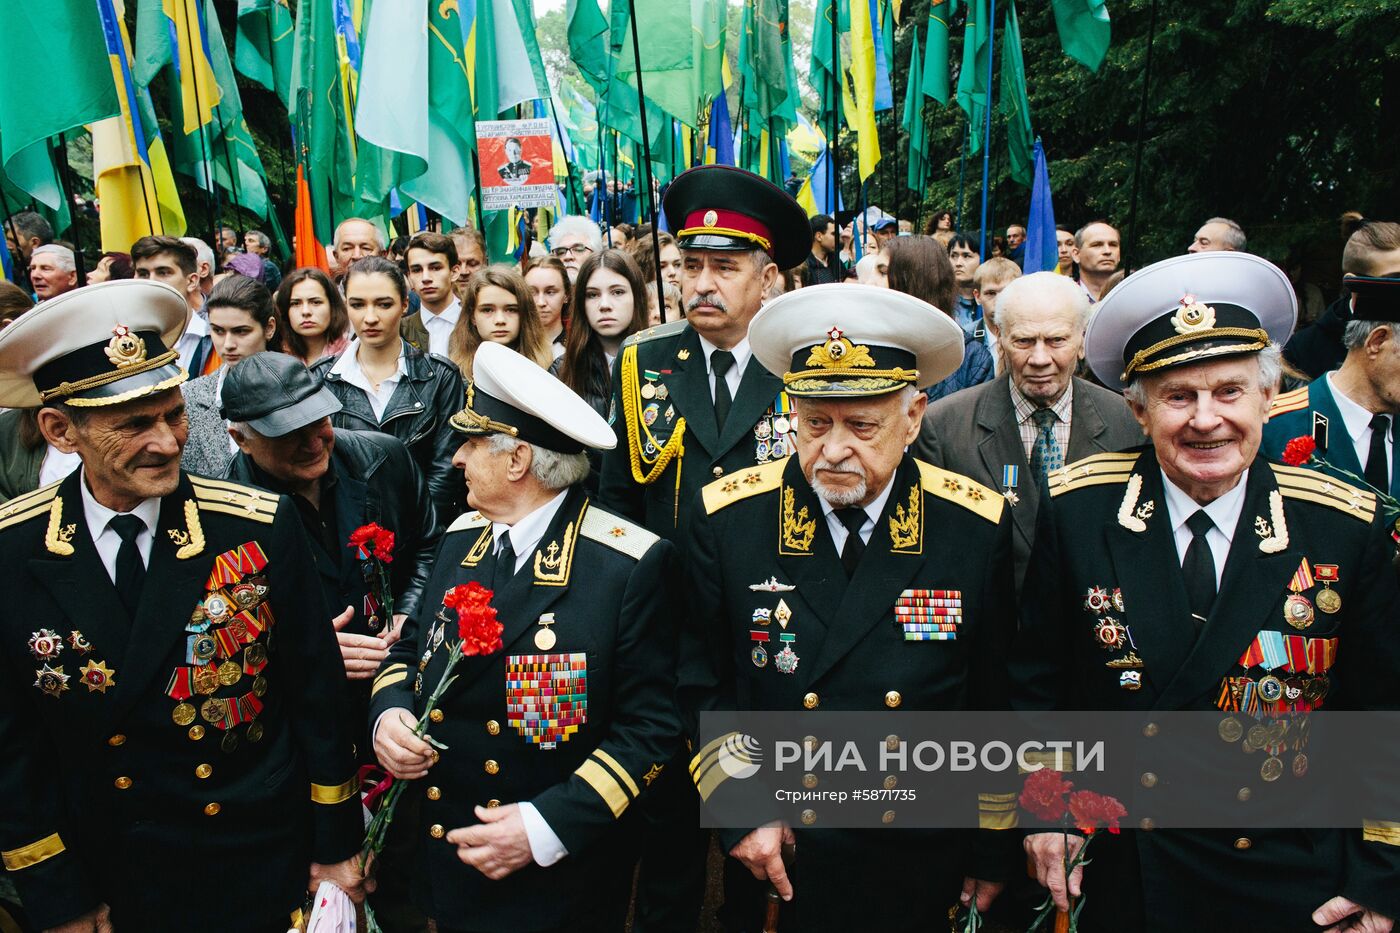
(1193, 574)
(806, 582)
(169, 690)
(547, 741)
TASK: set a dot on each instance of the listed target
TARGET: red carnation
(1043, 794)
(1299, 450)
(1093, 811)
(476, 618)
(373, 541)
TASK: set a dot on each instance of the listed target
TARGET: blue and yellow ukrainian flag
(199, 91)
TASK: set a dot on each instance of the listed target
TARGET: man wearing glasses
(572, 240)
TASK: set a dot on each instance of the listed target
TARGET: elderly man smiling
(1165, 578)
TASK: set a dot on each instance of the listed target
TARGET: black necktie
(131, 570)
(1199, 568)
(854, 520)
(721, 361)
(1377, 469)
(505, 563)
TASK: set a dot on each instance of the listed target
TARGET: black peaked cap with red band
(721, 207)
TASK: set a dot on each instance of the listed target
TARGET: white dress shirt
(1358, 425)
(196, 329)
(545, 845)
(742, 351)
(348, 368)
(106, 539)
(57, 465)
(440, 326)
(873, 511)
(1224, 512)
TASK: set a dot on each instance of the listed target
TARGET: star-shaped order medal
(52, 680)
(97, 676)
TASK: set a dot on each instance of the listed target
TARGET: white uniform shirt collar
(347, 367)
(106, 539)
(440, 326)
(741, 350)
(1356, 418)
(874, 509)
(525, 534)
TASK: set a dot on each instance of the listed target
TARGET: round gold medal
(229, 673)
(1328, 601)
(1271, 769)
(259, 685)
(213, 710)
(1230, 729)
(230, 741)
(196, 732)
(1258, 734)
(206, 680)
(544, 639)
(183, 714)
(255, 654)
(1297, 611)
(255, 731)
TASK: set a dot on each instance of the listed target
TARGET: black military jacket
(668, 445)
(1106, 535)
(132, 771)
(760, 546)
(602, 585)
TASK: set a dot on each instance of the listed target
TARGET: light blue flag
(1042, 254)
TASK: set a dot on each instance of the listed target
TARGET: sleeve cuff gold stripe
(709, 780)
(320, 793)
(388, 680)
(1385, 831)
(705, 752)
(618, 769)
(32, 854)
(1007, 820)
(606, 786)
(1048, 761)
(389, 670)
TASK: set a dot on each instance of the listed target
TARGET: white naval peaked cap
(851, 341)
(1186, 310)
(102, 344)
(512, 395)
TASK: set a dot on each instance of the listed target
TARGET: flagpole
(476, 179)
(835, 144)
(962, 173)
(559, 131)
(646, 159)
(66, 174)
(987, 134)
(212, 197)
(1131, 253)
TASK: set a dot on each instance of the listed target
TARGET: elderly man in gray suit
(1010, 433)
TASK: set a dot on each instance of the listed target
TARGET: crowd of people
(648, 452)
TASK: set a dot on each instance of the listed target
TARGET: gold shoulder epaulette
(221, 495)
(654, 333)
(1289, 401)
(1098, 470)
(1323, 489)
(968, 493)
(741, 485)
(30, 505)
(616, 533)
(468, 521)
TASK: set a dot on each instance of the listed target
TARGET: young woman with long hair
(386, 384)
(612, 303)
(497, 306)
(311, 316)
(549, 284)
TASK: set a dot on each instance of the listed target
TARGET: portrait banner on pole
(517, 164)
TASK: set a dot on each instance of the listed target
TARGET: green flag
(1084, 30)
(913, 122)
(321, 112)
(588, 38)
(670, 68)
(57, 77)
(1014, 104)
(35, 180)
(825, 65)
(263, 50)
(763, 57)
(935, 70)
(447, 184)
(972, 79)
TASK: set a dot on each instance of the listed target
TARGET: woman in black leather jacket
(387, 385)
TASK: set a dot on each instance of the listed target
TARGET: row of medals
(770, 438)
(207, 681)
